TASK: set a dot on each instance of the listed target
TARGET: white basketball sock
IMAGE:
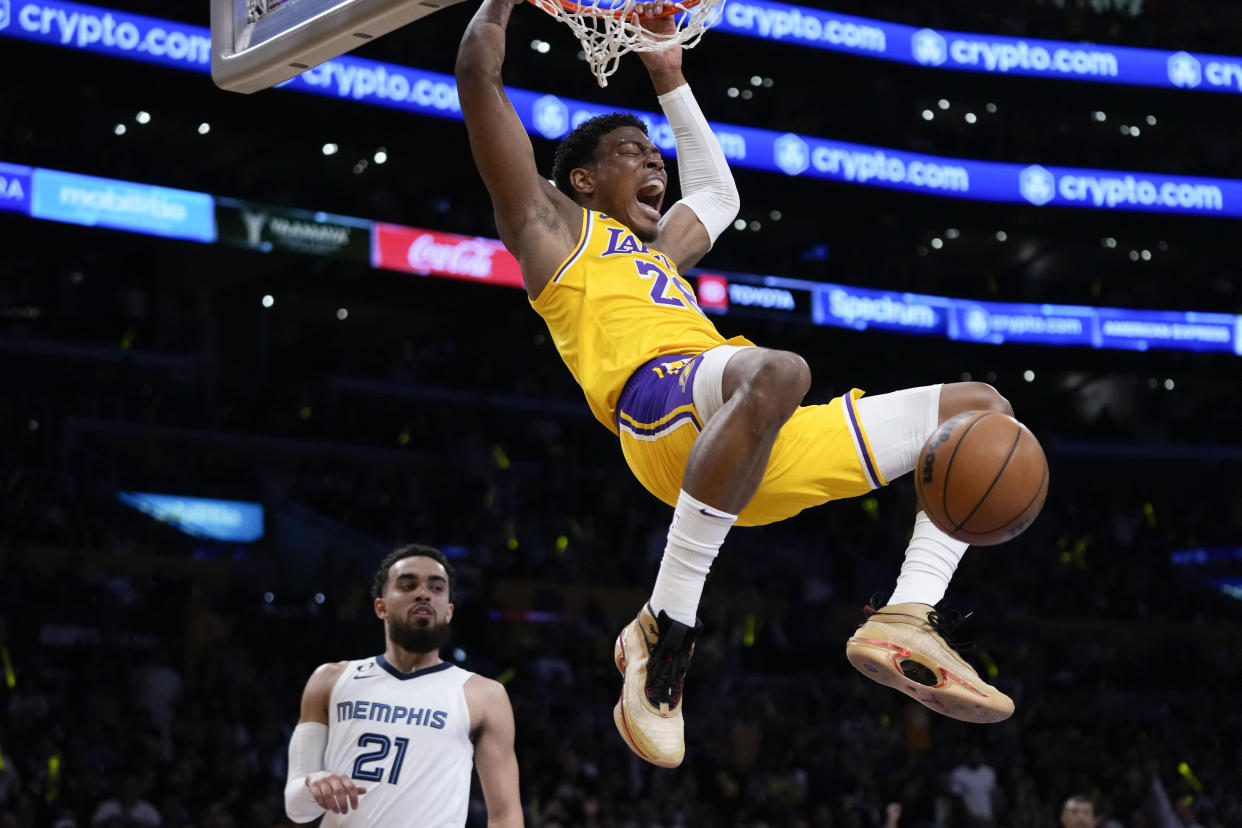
(931, 560)
(694, 540)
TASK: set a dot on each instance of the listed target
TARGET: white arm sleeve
(707, 186)
(306, 749)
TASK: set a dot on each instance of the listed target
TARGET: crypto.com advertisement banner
(434, 94)
(984, 53)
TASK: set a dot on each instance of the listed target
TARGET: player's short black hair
(578, 147)
(410, 551)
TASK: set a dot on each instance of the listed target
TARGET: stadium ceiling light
(381, 155)
(767, 83)
(740, 224)
(1134, 255)
(1169, 385)
(1099, 116)
(755, 80)
(360, 167)
(755, 226)
(747, 94)
(731, 91)
(1151, 120)
(937, 243)
(1110, 242)
(204, 128)
(1028, 375)
(342, 314)
(119, 129)
(991, 108)
(970, 117)
(268, 300)
(775, 215)
(1001, 236)
(330, 148)
(1125, 129)
(942, 103)
(143, 117)
(1145, 255)
(1135, 132)
(928, 114)
(952, 233)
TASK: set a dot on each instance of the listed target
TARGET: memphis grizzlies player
(715, 428)
(390, 740)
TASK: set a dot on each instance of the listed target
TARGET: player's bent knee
(971, 396)
(771, 382)
(782, 375)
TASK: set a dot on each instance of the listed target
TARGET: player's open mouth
(650, 196)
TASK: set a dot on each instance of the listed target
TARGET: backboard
(256, 44)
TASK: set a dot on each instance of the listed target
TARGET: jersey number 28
(683, 299)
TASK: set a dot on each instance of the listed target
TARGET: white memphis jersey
(405, 737)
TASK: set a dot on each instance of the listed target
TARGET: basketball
(982, 477)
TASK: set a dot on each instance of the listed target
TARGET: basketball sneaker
(906, 646)
(653, 654)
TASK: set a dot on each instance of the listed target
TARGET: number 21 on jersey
(382, 746)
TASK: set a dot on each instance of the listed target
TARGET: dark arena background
(249, 344)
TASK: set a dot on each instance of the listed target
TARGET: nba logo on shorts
(1184, 70)
(791, 154)
(928, 47)
(1037, 185)
(551, 116)
(4, 14)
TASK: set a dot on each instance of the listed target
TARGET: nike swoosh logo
(713, 514)
(372, 675)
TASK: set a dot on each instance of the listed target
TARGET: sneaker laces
(668, 663)
(944, 623)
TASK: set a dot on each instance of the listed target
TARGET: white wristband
(306, 750)
(707, 186)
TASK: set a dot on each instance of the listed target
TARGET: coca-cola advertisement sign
(444, 254)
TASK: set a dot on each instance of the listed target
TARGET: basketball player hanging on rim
(713, 428)
(389, 740)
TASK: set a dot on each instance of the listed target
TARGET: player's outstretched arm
(537, 223)
(493, 729)
(709, 198)
(309, 789)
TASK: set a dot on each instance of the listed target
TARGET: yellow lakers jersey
(613, 305)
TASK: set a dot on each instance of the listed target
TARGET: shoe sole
(618, 713)
(952, 695)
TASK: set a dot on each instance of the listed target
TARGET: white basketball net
(609, 31)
